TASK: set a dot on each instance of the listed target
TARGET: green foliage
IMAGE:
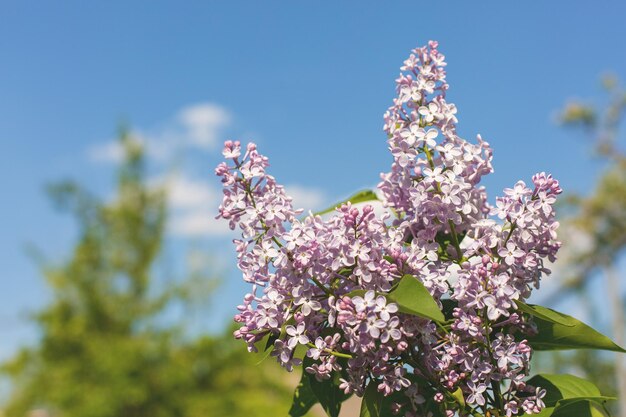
(592, 364)
(371, 406)
(413, 298)
(600, 214)
(359, 197)
(375, 404)
(600, 218)
(561, 331)
(564, 387)
(581, 409)
(569, 396)
(543, 313)
(303, 398)
(311, 391)
(104, 350)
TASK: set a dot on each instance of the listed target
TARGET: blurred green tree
(105, 350)
(596, 224)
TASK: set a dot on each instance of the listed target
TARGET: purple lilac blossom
(319, 284)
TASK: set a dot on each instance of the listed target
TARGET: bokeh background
(118, 285)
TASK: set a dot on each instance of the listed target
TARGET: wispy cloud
(198, 126)
(193, 200)
(307, 198)
(198, 224)
(203, 123)
(106, 152)
(186, 193)
(193, 204)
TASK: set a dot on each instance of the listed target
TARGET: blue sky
(308, 81)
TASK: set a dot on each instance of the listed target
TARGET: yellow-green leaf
(412, 297)
(360, 197)
(575, 335)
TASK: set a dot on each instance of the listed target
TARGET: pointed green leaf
(389, 259)
(270, 340)
(413, 298)
(543, 313)
(375, 404)
(358, 293)
(261, 344)
(372, 401)
(303, 397)
(575, 335)
(563, 386)
(360, 197)
(579, 409)
(445, 239)
(448, 307)
(434, 408)
(264, 346)
(598, 400)
(327, 392)
(569, 396)
(545, 412)
(458, 396)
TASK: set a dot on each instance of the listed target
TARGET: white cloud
(199, 224)
(192, 201)
(106, 152)
(193, 206)
(197, 126)
(306, 198)
(187, 193)
(203, 123)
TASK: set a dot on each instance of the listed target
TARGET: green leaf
(598, 400)
(389, 259)
(303, 397)
(565, 389)
(458, 396)
(563, 386)
(574, 335)
(360, 197)
(543, 313)
(569, 396)
(375, 404)
(448, 307)
(545, 412)
(413, 298)
(444, 239)
(434, 408)
(579, 409)
(327, 392)
(264, 346)
(270, 340)
(261, 344)
(372, 401)
(359, 293)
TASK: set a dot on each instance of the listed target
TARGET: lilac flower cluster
(319, 285)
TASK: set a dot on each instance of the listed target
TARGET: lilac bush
(422, 309)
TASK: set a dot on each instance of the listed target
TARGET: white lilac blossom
(319, 285)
